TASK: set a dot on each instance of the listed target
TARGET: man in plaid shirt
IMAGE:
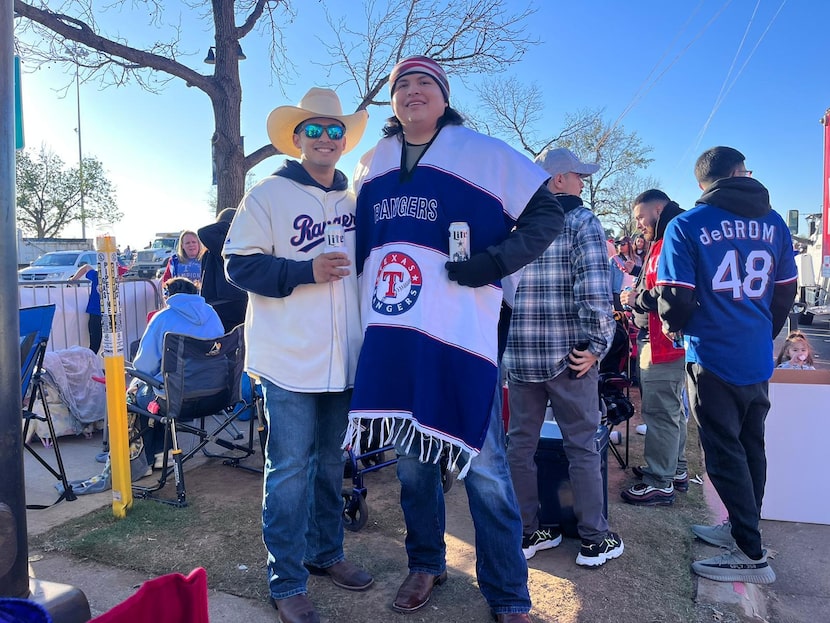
(562, 325)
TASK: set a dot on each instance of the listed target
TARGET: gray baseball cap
(561, 160)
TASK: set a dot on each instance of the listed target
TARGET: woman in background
(187, 261)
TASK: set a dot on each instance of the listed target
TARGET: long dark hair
(450, 117)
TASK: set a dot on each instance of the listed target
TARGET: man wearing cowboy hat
(302, 334)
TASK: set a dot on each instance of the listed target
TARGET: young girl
(796, 353)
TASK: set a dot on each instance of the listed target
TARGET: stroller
(373, 457)
(615, 384)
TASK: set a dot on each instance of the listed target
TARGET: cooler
(555, 492)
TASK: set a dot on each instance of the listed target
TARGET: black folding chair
(617, 408)
(35, 328)
(200, 379)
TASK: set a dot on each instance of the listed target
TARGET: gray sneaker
(720, 535)
(735, 566)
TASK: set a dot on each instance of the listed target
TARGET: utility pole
(65, 604)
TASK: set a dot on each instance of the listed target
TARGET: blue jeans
(500, 565)
(302, 506)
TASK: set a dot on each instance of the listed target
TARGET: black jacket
(215, 287)
(646, 298)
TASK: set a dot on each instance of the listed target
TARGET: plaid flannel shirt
(563, 298)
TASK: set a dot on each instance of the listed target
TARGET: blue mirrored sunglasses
(315, 130)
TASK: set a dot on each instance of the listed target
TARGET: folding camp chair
(35, 327)
(615, 382)
(200, 378)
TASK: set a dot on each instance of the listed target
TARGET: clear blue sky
(594, 53)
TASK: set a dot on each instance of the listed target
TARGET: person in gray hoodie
(186, 312)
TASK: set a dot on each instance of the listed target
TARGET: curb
(750, 598)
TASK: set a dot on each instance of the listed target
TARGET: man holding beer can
(290, 246)
(429, 364)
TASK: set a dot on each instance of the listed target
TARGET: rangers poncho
(429, 357)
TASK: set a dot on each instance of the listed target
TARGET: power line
(642, 93)
(726, 89)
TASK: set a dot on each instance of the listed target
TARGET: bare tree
(117, 63)
(620, 155)
(467, 36)
(513, 110)
(49, 196)
(618, 216)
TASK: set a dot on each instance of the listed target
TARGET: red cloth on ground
(171, 598)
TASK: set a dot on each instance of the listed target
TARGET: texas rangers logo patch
(397, 285)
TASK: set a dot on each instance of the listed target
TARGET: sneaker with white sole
(595, 554)
(720, 535)
(681, 481)
(735, 566)
(540, 540)
(642, 494)
(681, 477)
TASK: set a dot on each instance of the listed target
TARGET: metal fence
(138, 298)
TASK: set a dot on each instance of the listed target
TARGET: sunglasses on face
(315, 130)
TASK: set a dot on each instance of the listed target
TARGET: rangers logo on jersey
(397, 285)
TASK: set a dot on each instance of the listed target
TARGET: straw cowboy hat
(316, 103)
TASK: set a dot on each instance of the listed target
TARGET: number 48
(752, 282)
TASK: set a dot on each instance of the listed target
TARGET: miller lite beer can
(459, 241)
(335, 236)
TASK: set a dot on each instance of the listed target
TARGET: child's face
(798, 352)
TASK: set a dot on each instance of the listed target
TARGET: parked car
(56, 266)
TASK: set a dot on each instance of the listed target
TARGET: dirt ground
(220, 530)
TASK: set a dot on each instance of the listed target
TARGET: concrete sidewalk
(800, 557)
(799, 553)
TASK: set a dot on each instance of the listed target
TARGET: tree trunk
(228, 155)
(228, 152)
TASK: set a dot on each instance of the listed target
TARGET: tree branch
(80, 32)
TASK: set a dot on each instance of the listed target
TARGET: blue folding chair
(35, 328)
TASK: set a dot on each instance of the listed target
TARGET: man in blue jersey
(727, 279)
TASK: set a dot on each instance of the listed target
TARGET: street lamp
(80, 151)
(79, 53)
(210, 59)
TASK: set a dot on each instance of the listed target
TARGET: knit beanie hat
(420, 65)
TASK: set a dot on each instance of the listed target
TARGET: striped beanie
(420, 65)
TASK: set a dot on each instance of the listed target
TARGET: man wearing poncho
(429, 364)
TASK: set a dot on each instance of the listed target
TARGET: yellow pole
(119, 443)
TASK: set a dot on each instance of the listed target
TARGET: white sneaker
(641, 429)
(540, 540)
